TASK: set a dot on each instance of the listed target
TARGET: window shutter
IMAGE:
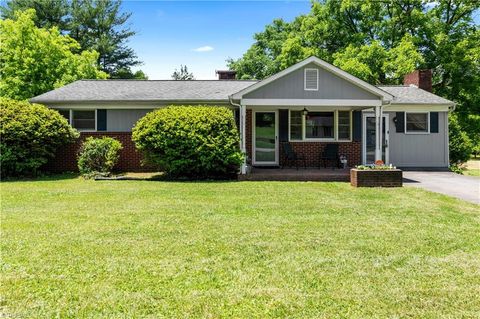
(283, 125)
(400, 122)
(101, 120)
(311, 79)
(357, 125)
(433, 122)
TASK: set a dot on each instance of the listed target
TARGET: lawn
(472, 168)
(137, 249)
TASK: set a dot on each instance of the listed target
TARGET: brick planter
(376, 178)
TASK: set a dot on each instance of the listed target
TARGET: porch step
(309, 174)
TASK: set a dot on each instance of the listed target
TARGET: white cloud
(205, 48)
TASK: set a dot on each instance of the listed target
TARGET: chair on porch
(292, 157)
(330, 154)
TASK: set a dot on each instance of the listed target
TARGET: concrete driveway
(448, 183)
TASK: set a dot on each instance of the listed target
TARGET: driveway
(448, 183)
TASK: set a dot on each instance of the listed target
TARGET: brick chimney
(419, 78)
(226, 74)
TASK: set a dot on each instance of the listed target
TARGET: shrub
(190, 141)
(30, 135)
(98, 156)
(460, 144)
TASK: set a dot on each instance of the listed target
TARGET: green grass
(472, 168)
(136, 249)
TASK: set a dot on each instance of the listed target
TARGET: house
(308, 105)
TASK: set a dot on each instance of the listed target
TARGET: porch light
(305, 111)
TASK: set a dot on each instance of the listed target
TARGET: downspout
(243, 148)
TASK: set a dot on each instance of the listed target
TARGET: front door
(369, 139)
(265, 141)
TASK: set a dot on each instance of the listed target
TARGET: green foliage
(49, 13)
(190, 141)
(98, 156)
(460, 144)
(95, 25)
(34, 60)
(31, 133)
(128, 74)
(183, 74)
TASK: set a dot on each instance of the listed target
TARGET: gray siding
(124, 120)
(330, 86)
(420, 150)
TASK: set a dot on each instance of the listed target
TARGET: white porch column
(243, 135)
(378, 133)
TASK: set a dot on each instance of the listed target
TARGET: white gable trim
(328, 67)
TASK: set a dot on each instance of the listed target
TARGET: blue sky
(200, 34)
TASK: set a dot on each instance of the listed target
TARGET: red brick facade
(376, 178)
(66, 157)
(311, 150)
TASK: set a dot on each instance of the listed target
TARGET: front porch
(292, 174)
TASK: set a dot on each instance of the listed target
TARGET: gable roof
(143, 90)
(405, 94)
(324, 65)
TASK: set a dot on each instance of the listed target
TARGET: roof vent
(311, 80)
(226, 74)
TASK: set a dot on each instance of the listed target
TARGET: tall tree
(36, 60)
(49, 13)
(96, 25)
(99, 25)
(183, 74)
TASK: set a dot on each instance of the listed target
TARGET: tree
(95, 25)
(128, 74)
(49, 13)
(99, 25)
(183, 74)
(36, 60)
(379, 42)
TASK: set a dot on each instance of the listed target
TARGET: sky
(199, 34)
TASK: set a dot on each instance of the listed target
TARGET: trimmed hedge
(190, 141)
(30, 135)
(98, 156)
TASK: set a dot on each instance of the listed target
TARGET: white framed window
(311, 80)
(344, 126)
(82, 120)
(417, 122)
(296, 125)
(328, 125)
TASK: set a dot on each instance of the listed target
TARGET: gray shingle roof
(142, 90)
(197, 90)
(413, 95)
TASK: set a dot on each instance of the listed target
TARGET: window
(319, 125)
(84, 120)
(417, 122)
(344, 126)
(296, 125)
(311, 80)
(331, 125)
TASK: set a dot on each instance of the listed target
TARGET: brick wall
(66, 157)
(311, 150)
(376, 178)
